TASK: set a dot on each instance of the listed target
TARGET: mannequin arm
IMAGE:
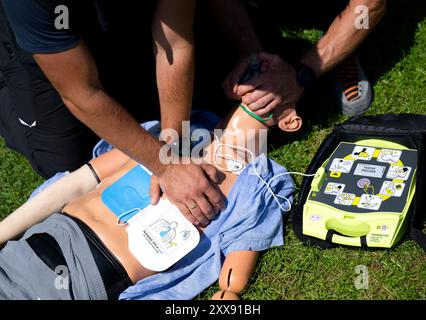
(51, 200)
(108, 163)
(236, 273)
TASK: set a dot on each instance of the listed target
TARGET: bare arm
(234, 20)
(74, 75)
(343, 37)
(172, 32)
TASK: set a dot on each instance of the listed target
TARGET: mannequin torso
(90, 209)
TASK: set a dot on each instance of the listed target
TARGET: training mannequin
(78, 195)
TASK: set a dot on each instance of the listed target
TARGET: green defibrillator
(361, 194)
(366, 185)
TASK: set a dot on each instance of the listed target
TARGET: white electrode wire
(267, 184)
(225, 155)
(286, 173)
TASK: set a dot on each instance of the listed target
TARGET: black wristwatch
(305, 75)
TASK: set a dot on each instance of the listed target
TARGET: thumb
(155, 190)
(239, 70)
(266, 57)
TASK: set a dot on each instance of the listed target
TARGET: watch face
(306, 77)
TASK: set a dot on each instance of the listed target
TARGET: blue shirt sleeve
(34, 27)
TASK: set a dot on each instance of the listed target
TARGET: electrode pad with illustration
(159, 235)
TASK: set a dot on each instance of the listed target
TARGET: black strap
(364, 242)
(47, 249)
(418, 236)
(94, 172)
(331, 233)
(329, 236)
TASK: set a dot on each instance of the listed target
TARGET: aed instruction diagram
(362, 179)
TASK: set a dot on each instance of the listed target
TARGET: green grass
(311, 35)
(17, 180)
(394, 57)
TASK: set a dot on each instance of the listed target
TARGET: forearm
(49, 201)
(343, 37)
(175, 83)
(173, 36)
(74, 75)
(233, 18)
(108, 119)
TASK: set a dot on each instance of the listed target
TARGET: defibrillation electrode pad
(159, 235)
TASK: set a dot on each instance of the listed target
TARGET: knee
(233, 281)
(237, 270)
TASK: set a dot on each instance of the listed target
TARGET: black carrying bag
(408, 130)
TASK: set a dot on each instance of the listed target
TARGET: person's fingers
(239, 71)
(268, 108)
(209, 212)
(216, 198)
(196, 210)
(249, 86)
(187, 214)
(261, 103)
(228, 87)
(155, 190)
(254, 96)
(213, 193)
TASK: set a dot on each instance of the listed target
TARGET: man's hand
(192, 189)
(275, 86)
(230, 85)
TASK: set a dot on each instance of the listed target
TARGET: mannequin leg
(235, 275)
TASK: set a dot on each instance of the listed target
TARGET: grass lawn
(394, 58)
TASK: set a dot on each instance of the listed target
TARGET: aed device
(362, 194)
(158, 236)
